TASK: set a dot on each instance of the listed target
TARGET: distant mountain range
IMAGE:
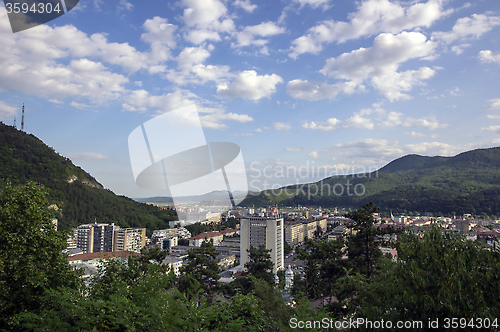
(466, 183)
(214, 197)
(78, 196)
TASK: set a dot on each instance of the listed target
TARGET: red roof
(205, 235)
(94, 255)
(229, 230)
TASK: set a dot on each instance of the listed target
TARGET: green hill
(79, 197)
(466, 183)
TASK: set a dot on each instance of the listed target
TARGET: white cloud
(282, 126)
(313, 154)
(206, 19)
(330, 124)
(87, 156)
(468, 27)
(55, 101)
(493, 116)
(214, 120)
(371, 148)
(314, 3)
(303, 89)
(191, 69)
(249, 85)
(386, 149)
(291, 149)
(455, 92)
(358, 121)
(191, 56)
(160, 35)
(365, 119)
(199, 36)
(7, 111)
(97, 4)
(390, 119)
(492, 129)
(141, 100)
(60, 62)
(372, 17)
(494, 104)
(417, 134)
(125, 5)
(380, 63)
(246, 5)
(459, 49)
(247, 37)
(430, 123)
(432, 148)
(45, 78)
(489, 56)
(80, 106)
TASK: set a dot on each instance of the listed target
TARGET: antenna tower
(22, 120)
(14, 121)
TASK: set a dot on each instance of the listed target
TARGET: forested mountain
(466, 183)
(78, 196)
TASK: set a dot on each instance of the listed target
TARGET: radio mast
(22, 120)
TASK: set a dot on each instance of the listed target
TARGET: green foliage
(31, 261)
(40, 292)
(82, 199)
(438, 276)
(198, 228)
(286, 248)
(260, 265)
(466, 183)
(324, 265)
(202, 270)
(364, 241)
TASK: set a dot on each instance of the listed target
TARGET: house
(197, 240)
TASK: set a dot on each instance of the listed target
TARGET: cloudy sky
(343, 85)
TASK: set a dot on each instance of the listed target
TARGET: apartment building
(130, 239)
(95, 237)
(297, 231)
(257, 231)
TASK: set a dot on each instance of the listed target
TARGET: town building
(180, 232)
(297, 230)
(95, 237)
(197, 240)
(130, 239)
(174, 264)
(258, 231)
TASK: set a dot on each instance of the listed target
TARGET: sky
(305, 88)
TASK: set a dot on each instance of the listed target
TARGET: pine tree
(260, 264)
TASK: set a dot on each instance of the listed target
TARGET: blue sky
(345, 85)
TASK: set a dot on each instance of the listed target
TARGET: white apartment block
(257, 231)
(130, 239)
(180, 232)
(95, 237)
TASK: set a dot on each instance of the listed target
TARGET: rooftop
(94, 255)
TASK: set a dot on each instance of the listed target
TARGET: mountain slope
(466, 183)
(79, 197)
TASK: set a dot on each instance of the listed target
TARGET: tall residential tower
(257, 231)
